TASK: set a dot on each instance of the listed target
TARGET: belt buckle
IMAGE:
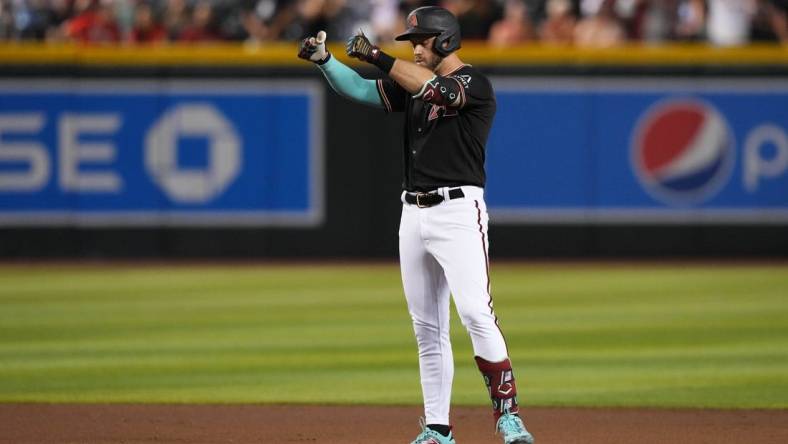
(418, 202)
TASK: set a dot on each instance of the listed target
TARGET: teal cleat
(429, 436)
(513, 430)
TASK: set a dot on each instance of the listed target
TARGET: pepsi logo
(682, 151)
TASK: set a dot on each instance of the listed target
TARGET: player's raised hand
(360, 48)
(314, 49)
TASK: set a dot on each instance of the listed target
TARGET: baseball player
(443, 241)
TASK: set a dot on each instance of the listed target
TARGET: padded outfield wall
(224, 151)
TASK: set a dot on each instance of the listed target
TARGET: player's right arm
(345, 81)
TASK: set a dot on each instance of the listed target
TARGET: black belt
(425, 200)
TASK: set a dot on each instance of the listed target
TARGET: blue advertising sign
(161, 152)
(639, 150)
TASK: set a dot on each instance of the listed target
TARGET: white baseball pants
(443, 250)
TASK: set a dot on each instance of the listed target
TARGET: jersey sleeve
(393, 96)
(475, 90)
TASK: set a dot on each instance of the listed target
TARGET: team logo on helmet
(413, 21)
(682, 151)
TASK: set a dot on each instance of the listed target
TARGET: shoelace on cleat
(426, 433)
(510, 424)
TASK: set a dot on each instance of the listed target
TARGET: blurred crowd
(591, 23)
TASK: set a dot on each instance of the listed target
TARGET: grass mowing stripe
(585, 335)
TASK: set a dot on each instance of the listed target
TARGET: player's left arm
(422, 83)
(409, 75)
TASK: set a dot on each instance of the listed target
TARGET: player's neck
(448, 65)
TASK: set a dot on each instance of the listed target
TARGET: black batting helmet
(434, 21)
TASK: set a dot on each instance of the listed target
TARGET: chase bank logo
(682, 151)
(197, 120)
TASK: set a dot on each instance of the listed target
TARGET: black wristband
(383, 61)
(325, 60)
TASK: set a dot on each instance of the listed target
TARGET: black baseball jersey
(446, 128)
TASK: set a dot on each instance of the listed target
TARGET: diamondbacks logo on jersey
(682, 151)
(437, 111)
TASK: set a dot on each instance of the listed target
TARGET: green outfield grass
(579, 335)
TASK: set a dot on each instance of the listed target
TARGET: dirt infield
(89, 424)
